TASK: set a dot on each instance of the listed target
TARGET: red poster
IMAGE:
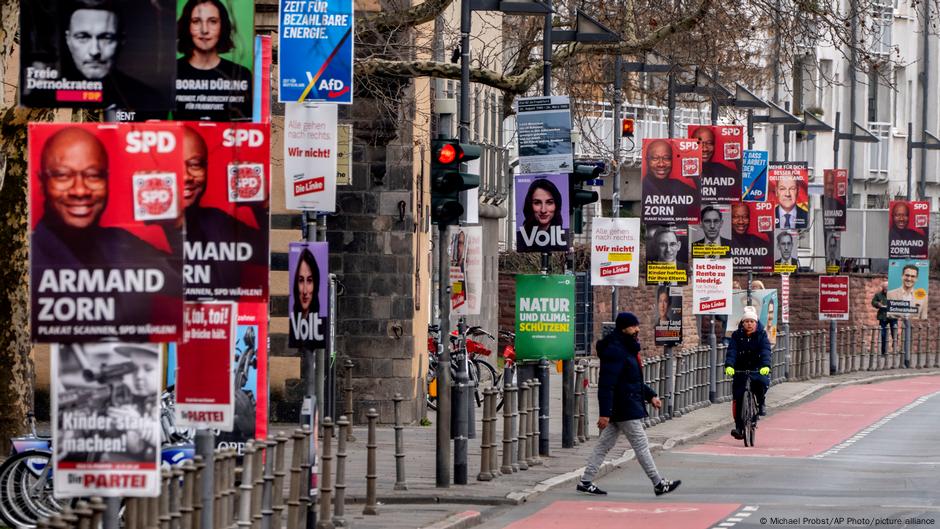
(908, 229)
(670, 175)
(788, 187)
(204, 395)
(752, 230)
(106, 232)
(833, 297)
(835, 183)
(721, 161)
(785, 298)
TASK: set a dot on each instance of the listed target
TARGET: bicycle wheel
(26, 489)
(431, 400)
(749, 416)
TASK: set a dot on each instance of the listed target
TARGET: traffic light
(578, 196)
(447, 181)
(626, 128)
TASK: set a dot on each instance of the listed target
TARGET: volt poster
(545, 317)
(308, 299)
(315, 52)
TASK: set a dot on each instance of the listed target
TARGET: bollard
(513, 404)
(186, 505)
(508, 391)
(176, 477)
(217, 493)
(578, 395)
(485, 474)
(371, 507)
(326, 479)
(308, 504)
(280, 472)
(196, 493)
(84, 513)
(267, 490)
(165, 499)
(97, 508)
(339, 519)
(293, 500)
(257, 489)
(535, 421)
(494, 444)
(532, 446)
(399, 445)
(522, 440)
(68, 517)
(131, 513)
(348, 390)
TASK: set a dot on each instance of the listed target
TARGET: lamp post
(929, 143)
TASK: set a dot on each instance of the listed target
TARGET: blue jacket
(749, 352)
(621, 392)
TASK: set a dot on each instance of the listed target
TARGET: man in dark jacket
(880, 302)
(748, 350)
(621, 396)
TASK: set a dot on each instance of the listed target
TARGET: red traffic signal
(626, 127)
(446, 154)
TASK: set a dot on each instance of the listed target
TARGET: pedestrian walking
(880, 302)
(621, 396)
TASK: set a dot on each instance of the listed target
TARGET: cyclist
(748, 349)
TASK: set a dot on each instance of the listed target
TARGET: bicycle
(749, 413)
(481, 374)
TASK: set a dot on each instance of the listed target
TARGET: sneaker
(590, 488)
(761, 412)
(737, 434)
(665, 486)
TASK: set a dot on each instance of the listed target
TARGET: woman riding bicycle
(748, 350)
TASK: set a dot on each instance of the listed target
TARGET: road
(857, 456)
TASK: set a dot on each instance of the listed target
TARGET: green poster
(544, 317)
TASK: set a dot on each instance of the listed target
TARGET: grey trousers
(608, 438)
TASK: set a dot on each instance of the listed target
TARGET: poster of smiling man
(670, 175)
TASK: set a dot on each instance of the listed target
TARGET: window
(805, 73)
(879, 98)
(882, 18)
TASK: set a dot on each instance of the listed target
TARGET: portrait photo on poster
(308, 268)
(214, 60)
(834, 203)
(667, 253)
(752, 238)
(785, 253)
(711, 237)
(667, 327)
(98, 54)
(788, 184)
(721, 161)
(908, 229)
(908, 288)
(542, 214)
(670, 174)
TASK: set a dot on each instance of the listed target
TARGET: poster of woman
(466, 269)
(308, 269)
(542, 219)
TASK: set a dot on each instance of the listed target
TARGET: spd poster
(544, 317)
(308, 298)
(721, 161)
(752, 230)
(542, 213)
(315, 52)
(310, 140)
(908, 229)
(615, 251)
(106, 240)
(466, 269)
(788, 184)
(670, 175)
(908, 287)
(835, 182)
(204, 392)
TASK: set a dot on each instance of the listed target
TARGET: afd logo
(333, 87)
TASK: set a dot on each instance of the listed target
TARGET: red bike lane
(812, 428)
(628, 515)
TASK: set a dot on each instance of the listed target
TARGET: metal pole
(443, 452)
(907, 342)
(777, 26)
(320, 353)
(925, 79)
(833, 352)
(853, 62)
(750, 129)
(542, 373)
(205, 447)
(910, 158)
(461, 396)
(615, 197)
(112, 513)
(670, 382)
(713, 104)
(713, 363)
(567, 404)
(836, 140)
(671, 102)
(544, 403)
(546, 55)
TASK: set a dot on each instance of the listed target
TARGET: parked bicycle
(482, 375)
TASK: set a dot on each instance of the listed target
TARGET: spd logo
(141, 141)
(245, 182)
(155, 196)
(691, 166)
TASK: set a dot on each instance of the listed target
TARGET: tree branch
(419, 14)
(513, 84)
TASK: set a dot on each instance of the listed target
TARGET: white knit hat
(750, 313)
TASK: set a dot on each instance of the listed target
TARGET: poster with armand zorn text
(308, 299)
(465, 247)
(315, 52)
(835, 183)
(204, 383)
(310, 140)
(106, 419)
(721, 161)
(908, 229)
(106, 238)
(545, 317)
(752, 229)
(615, 251)
(670, 175)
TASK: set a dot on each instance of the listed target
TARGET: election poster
(204, 384)
(711, 286)
(250, 373)
(310, 141)
(908, 285)
(908, 229)
(106, 419)
(115, 55)
(667, 253)
(667, 329)
(754, 176)
(721, 161)
(833, 297)
(788, 184)
(214, 60)
(833, 251)
(670, 176)
(261, 105)
(752, 236)
(106, 233)
(785, 243)
(711, 237)
(227, 198)
(315, 52)
(764, 301)
(466, 269)
(785, 298)
(308, 297)
(708, 322)
(344, 154)
(544, 317)
(542, 213)
(835, 183)
(615, 251)
(544, 135)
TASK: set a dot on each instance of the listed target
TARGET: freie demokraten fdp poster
(106, 233)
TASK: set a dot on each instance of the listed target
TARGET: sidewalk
(424, 505)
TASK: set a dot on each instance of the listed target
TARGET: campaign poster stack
(721, 161)
(615, 251)
(308, 298)
(670, 180)
(542, 213)
(752, 228)
(204, 383)
(315, 51)
(788, 184)
(310, 157)
(545, 317)
(835, 183)
(465, 247)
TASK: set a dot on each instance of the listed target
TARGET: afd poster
(908, 229)
(308, 297)
(670, 175)
(114, 55)
(835, 182)
(204, 390)
(754, 176)
(106, 240)
(908, 287)
(106, 419)
(615, 251)
(310, 141)
(544, 317)
(542, 213)
(721, 161)
(466, 269)
(315, 52)
(711, 286)
(544, 135)
(215, 57)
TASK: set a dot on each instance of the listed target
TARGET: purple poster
(308, 301)
(542, 222)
